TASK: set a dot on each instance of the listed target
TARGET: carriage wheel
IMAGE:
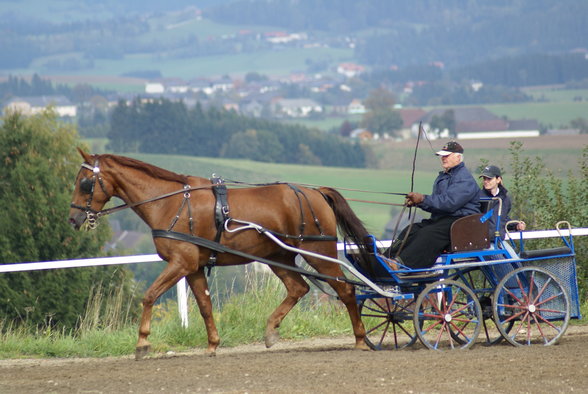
(388, 323)
(448, 316)
(476, 280)
(531, 307)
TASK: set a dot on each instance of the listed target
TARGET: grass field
(551, 114)
(557, 94)
(278, 63)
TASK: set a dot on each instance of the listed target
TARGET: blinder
(86, 186)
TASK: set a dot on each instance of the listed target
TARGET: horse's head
(90, 194)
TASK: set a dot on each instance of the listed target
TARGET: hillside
(149, 39)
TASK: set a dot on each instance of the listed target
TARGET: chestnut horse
(186, 204)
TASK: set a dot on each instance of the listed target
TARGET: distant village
(262, 97)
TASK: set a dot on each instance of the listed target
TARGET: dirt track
(318, 365)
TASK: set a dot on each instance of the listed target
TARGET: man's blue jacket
(455, 193)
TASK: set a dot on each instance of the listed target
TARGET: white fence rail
(182, 294)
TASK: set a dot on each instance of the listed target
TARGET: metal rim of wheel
(535, 300)
(447, 315)
(388, 323)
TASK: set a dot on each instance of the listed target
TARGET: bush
(541, 199)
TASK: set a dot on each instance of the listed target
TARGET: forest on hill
(412, 37)
(396, 32)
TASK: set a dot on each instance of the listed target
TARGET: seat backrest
(468, 233)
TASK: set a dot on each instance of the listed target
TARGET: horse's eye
(86, 185)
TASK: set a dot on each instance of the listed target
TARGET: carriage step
(419, 275)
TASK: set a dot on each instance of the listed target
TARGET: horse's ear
(86, 156)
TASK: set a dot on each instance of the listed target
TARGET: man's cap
(449, 148)
(490, 172)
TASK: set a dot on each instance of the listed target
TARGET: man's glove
(413, 199)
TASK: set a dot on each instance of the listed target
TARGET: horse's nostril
(72, 221)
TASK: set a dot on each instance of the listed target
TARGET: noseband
(87, 186)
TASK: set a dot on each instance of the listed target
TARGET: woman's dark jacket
(504, 216)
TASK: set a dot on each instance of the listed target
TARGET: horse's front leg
(199, 286)
(170, 275)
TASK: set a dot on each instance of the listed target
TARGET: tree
(381, 117)
(39, 164)
(382, 121)
(580, 124)
(162, 126)
(346, 128)
(444, 122)
(255, 77)
(380, 100)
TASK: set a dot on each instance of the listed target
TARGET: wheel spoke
(449, 315)
(537, 304)
(385, 321)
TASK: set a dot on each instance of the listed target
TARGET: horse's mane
(149, 169)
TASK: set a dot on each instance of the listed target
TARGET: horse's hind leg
(296, 288)
(346, 293)
(199, 286)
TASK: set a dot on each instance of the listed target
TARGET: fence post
(182, 301)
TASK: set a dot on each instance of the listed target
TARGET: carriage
(478, 288)
(525, 297)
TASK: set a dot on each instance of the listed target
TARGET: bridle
(88, 186)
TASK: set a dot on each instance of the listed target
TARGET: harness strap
(221, 210)
(217, 247)
(316, 221)
(305, 237)
(185, 203)
(297, 193)
(221, 214)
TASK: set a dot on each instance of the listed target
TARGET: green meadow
(553, 114)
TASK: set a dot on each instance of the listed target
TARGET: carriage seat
(469, 233)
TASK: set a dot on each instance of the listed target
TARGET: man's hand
(413, 199)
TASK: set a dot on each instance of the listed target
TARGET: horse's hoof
(362, 346)
(271, 339)
(210, 352)
(141, 352)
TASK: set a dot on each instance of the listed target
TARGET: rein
(240, 183)
(88, 185)
(120, 207)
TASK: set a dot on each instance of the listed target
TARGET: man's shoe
(393, 264)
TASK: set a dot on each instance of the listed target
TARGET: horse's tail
(350, 226)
